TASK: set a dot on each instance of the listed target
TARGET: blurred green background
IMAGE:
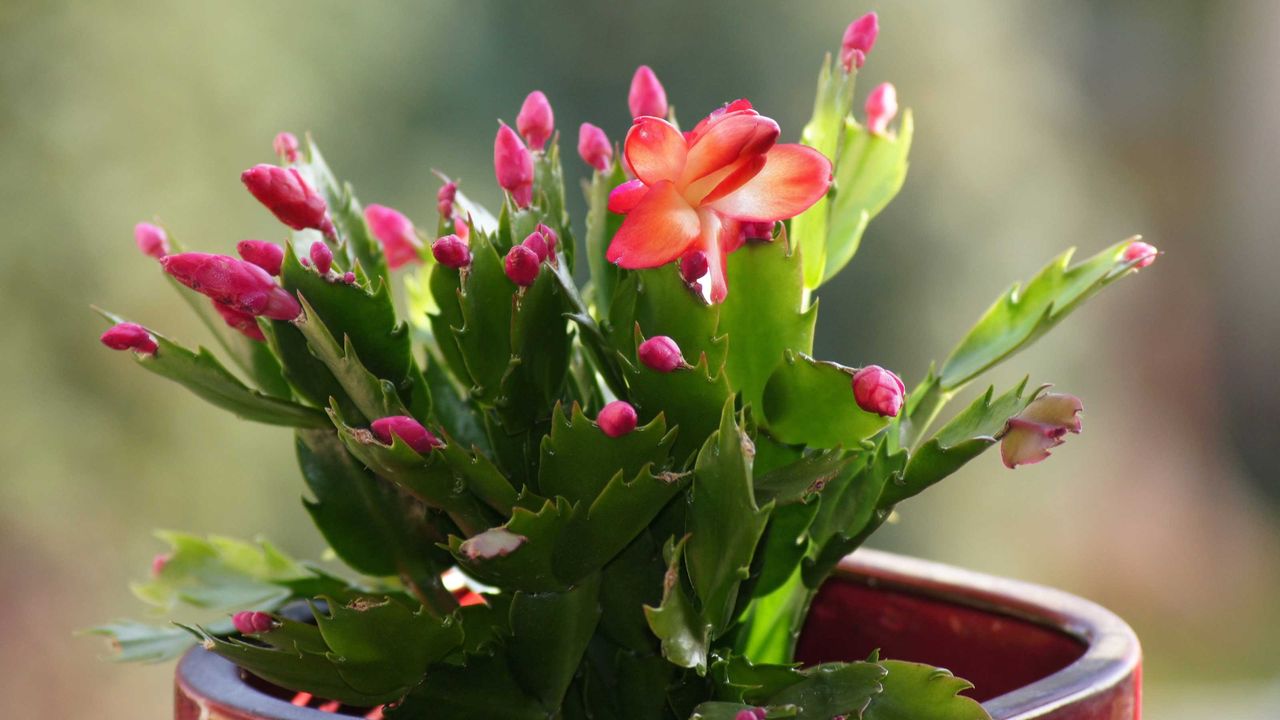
(1039, 126)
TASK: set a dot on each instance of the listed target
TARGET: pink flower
(594, 147)
(879, 391)
(661, 354)
(451, 251)
(513, 166)
(1044, 423)
(882, 106)
(536, 122)
(693, 190)
(286, 146)
(236, 283)
(647, 96)
(252, 623)
(321, 257)
(522, 265)
(288, 196)
(445, 198)
(1142, 252)
(617, 418)
(395, 232)
(407, 429)
(242, 321)
(130, 336)
(693, 266)
(265, 255)
(537, 242)
(858, 40)
(152, 240)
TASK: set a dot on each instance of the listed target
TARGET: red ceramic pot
(1032, 652)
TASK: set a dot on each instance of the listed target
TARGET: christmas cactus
(613, 500)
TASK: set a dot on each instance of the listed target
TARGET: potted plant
(634, 499)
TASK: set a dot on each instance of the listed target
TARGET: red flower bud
(395, 232)
(594, 147)
(445, 197)
(537, 242)
(1142, 252)
(241, 285)
(252, 623)
(451, 251)
(244, 322)
(286, 146)
(349, 278)
(536, 122)
(617, 418)
(288, 196)
(661, 353)
(647, 96)
(158, 563)
(151, 239)
(265, 255)
(550, 236)
(858, 40)
(130, 336)
(522, 265)
(882, 106)
(321, 256)
(513, 166)
(693, 266)
(1044, 423)
(879, 391)
(407, 429)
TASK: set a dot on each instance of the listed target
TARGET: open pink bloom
(152, 240)
(236, 283)
(1044, 423)
(536, 122)
(693, 191)
(858, 40)
(268, 256)
(288, 196)
(513, 165)
(395, 232)
(1144, 253)
(130, 336)
(241, 321)
(594, 147)
(286, 146)
(647, 96)
(407, 429)
(882, 106)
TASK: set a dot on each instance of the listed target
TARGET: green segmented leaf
(219, 573)
(458, 417)
(736, 678)
(482, 688)
(346, 213)
(850, 504)
(304, 372)
(684, 634)
(832, 689)
(539, 361)
(800, 480)
(445, 285)
(133, 641)
(602, 225)
(718, 710)
(597, 348)
(664, 305)
(550, 632)
(579, 460)
(810, 402)
(529, 567)
(373, 397)
(913, 691)
(484, 338)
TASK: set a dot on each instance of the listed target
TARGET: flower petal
(715, 115)
(656, 231)
(655, 150)
(626, 196)
(793, 179)
(735, 136)
(1058, 409)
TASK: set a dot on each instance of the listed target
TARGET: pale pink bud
(550, 236)
(286, 194)
(349, 278)
(1144, 253)
(513, 166)
(594, 147)
(537, 242)
(252, 623)
(661, 353)
(395, 233)
(522, 265)
(617, 418)
(451, 251)
(1044, 423)
(130, 336)
(536, 122)
(647, 96)
(152, 240)
(158, 564)
(882, 106)
(268, 256)
(879, 391)
(322, 257)
(626, 196)
(241, 285)
(492, 543)
(693, 266)
(858, 40)
(286, 146)
(407, 429)
(445, 197)
(241, 321)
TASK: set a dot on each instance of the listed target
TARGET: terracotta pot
(1032, 652)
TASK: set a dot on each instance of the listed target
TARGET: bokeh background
(1039, 126)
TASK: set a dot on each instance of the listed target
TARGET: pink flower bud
(617, 418)
(647, 96)
(513, 166)
(151, 239)
(537, 242)
(1142, 252)
(879, 391)
(349, 278)
(594, 147)
(744, 715)
(321, 256)
(693, 266)
(130, 336)
(761, 714)
(522, 265)
(624, 198)
(407, 429)
(265, 255)
(395, 232)
(1044, 423)
(252, 623)
(461, 227)
(158, 563)
(536, 122)
(241, 285)
(882, 106)
(286, 146)
(244, 322)
(757, 231)
(445, 197)
(288, 196)
(550, 236)
(451, 251)
(661, 353)
(858, 40)
(758, 713)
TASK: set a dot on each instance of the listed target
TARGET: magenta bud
(882, 106)
(661, 353)
(460, 226)
(158, 563)
(513, 166)
(550, 236)
(287, 195)
(1144, 253)
(536, 122)
(130, 336)
(858, 40)
(349, 278)
(761, 714)
(537, 242)
(407, 429)
(152, 240)
(693, 266)
(252, 623)
(286, 146)
(395, 233)
(522, 265)
(241, 321)
(1041, 426)
(236, 283)
(451, 251)
(445, 197)
(879, 391)
(617, 418)
(757, 231)
(321, 256)
(647, 96)
(755, 713)
(594, 147)
(268, 256)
